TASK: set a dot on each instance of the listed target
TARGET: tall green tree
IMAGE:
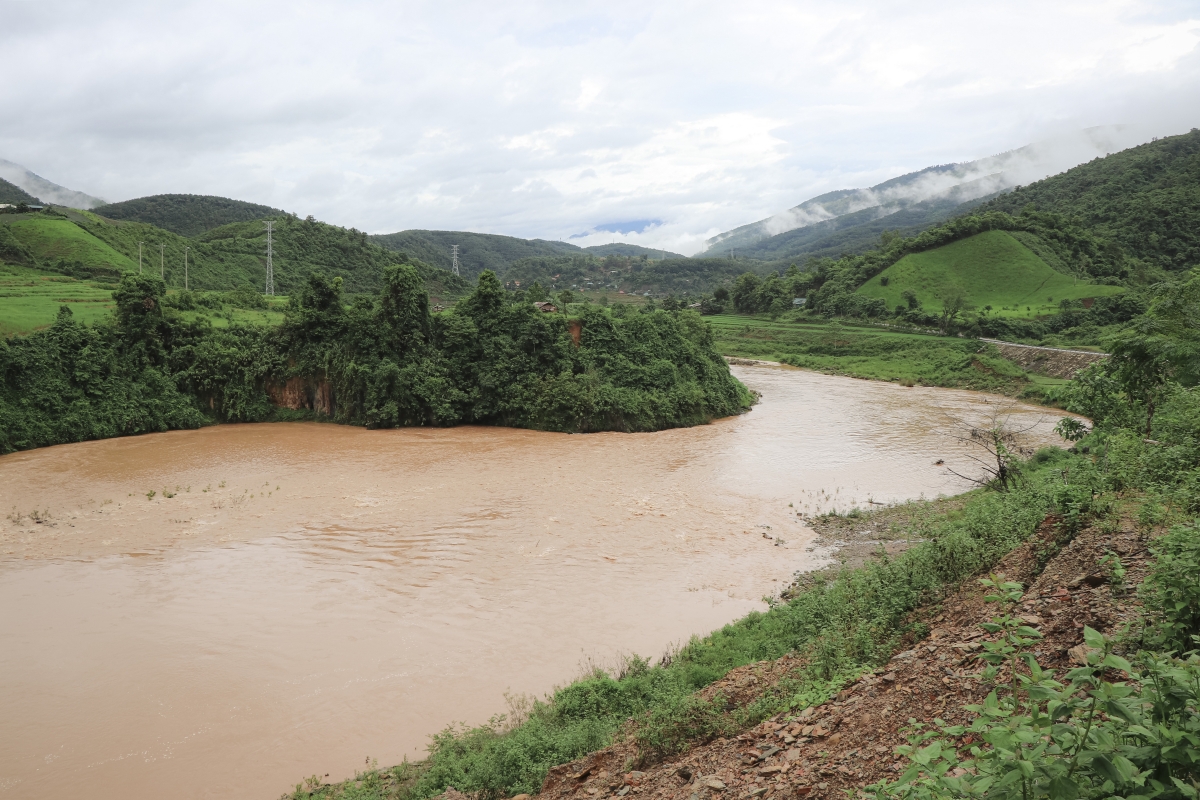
(745, 293)
(1161, 346)
(403, 310)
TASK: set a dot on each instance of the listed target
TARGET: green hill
(84, 244)
(480, 251)
(11, 193)
(622, 249)
(302, 247)
(631, 274)
(186, 214)
(1144, 200)
(476, 251)
(53, 240)
(991, 268)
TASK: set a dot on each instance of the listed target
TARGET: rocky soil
(849, 742)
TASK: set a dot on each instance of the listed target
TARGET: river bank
(873, 353)
(849, 739)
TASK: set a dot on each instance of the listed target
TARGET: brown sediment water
(296, 598)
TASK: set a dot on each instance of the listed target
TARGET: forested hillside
(851, 233)
(630, 274)
(304, 247)
(11, 193)
(186, 214)
(1145, 201)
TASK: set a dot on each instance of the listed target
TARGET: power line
(454, 259)
(270, 288)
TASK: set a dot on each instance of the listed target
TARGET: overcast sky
(553, 119)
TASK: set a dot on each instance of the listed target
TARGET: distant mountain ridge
(909, 202)
(12, 194)
(48, 191)
(480, 251)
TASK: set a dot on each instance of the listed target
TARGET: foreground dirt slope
(849, 742)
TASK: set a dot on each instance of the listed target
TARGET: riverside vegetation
(379, 361)
(1087, 733)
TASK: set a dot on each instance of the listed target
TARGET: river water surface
(295, 598)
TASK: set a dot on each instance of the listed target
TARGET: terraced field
(30, 299)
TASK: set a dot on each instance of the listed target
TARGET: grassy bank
(866, 351)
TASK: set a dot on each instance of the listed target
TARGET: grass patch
(993, 269)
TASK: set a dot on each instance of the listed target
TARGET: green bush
(1172, 591)
(1082, 736)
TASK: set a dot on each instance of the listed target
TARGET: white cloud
(545, 119)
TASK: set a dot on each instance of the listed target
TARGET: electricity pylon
(454, 259)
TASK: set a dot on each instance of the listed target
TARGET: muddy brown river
(221, 612)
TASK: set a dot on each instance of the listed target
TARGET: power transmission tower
(270, 288)
(185, 280)
(162, 262)
(454, 258)
(140, 257)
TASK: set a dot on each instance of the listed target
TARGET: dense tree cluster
(383, 361)
(773, 294)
